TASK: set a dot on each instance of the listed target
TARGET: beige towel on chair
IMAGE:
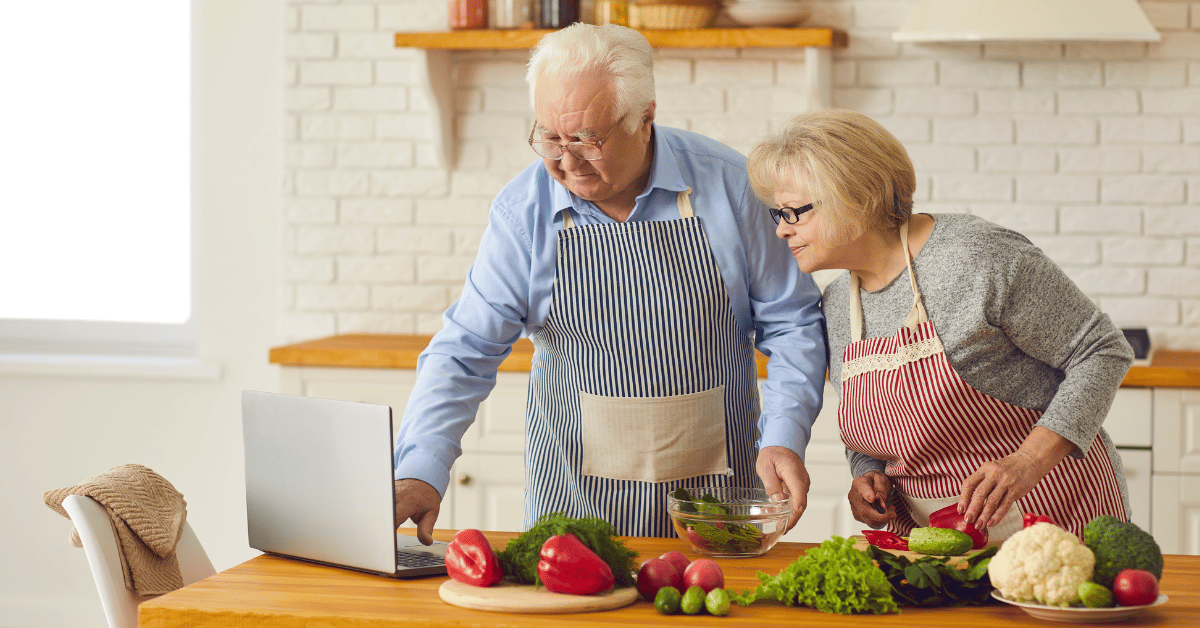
(147, 514)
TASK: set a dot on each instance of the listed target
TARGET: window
(95, 235)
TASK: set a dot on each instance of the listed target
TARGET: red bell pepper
(948, 517)
(569, 566)
(1030, 518)
(470, 559)
(886, 540)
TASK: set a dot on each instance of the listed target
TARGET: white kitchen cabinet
(1176, 431)
(1128, 421)
(1177, 513)
(489, 491)
(1176, 493)
(1129, 424)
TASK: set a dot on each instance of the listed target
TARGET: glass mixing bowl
(730, 522)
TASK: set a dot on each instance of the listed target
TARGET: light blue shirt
(509, 288)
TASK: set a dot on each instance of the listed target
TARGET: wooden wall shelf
(681, 38)
(435, 49)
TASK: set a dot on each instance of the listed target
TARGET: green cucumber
(940, 541)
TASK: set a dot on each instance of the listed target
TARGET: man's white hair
(617, 51)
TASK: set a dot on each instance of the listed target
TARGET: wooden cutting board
(860, 543)
(524, 598)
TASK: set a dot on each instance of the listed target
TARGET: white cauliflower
(1042, 563)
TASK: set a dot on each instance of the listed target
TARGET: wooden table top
(1171, 369)
(278, 592)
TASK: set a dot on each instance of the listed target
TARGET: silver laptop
(319, 485)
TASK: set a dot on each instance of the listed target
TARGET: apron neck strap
(916, 315)
(685, 209)
(684, 204)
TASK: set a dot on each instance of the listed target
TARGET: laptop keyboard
(410, 559)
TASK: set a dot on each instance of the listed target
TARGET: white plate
(1080, 614)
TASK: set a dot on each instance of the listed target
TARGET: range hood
(1026, 20)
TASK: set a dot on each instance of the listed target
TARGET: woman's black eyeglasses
(790, 215)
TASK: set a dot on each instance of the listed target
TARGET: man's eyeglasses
(587, 151)
(790, 215)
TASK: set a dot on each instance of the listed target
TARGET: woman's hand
(996, 485)
(868, 491)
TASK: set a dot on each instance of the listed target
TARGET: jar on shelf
(467, 14)
(512, 14)
(557, 13)
(611, 12)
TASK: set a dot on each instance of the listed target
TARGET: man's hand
(782, 471)
(420, 502)
(872, 487)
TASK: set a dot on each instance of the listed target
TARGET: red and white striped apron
(903, 403)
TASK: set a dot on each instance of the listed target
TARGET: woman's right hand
(868, 491)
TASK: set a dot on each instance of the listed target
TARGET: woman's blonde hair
(858, 171)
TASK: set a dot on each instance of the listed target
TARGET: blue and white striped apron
(641, 380)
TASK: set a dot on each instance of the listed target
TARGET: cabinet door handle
(464, 479)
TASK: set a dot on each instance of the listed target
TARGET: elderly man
(641, 265)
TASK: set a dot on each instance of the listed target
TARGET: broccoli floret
(1120, 545)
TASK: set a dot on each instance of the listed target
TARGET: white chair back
(103, 554)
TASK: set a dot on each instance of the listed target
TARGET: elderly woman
(970, 369)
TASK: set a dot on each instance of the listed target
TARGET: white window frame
(118, 348)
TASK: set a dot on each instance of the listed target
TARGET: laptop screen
(319, 479)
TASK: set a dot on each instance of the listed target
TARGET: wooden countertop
(1169, 369)
(274, 591)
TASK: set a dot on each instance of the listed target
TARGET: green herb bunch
(833, 577)
(932, 581)
(520, 556)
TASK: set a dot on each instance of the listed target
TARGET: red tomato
(678, 559)
(1134, 587)
(703, 573)
(655, 574)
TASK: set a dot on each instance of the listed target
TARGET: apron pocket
(654, 439)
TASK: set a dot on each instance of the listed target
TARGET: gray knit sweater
(1013, 325)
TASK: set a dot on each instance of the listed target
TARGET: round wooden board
(524, 598)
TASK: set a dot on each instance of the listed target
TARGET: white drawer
(1129, 420)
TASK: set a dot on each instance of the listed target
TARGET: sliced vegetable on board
(940, 541)
(886, 540)
(471, 560)
(948, 517)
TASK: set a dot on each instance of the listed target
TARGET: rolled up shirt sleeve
(457, 371)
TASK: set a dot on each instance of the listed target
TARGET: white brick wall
(1091, 149)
